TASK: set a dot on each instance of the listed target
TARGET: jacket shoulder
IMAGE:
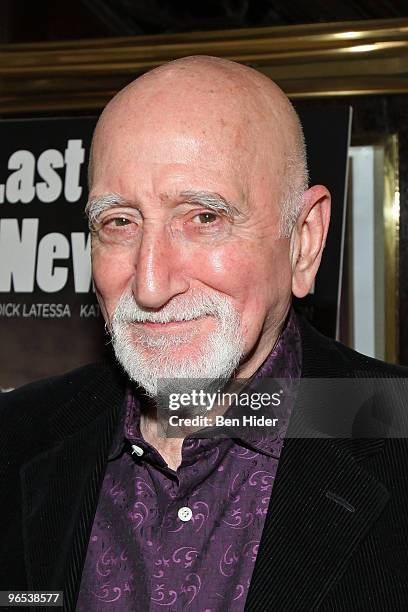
(27, 414)
(325, 357)
(43, 396)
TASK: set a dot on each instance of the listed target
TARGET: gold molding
(317, 60)
(390, 229)
(391, 246)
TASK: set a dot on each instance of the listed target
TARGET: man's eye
(120, 221)
(205, 218)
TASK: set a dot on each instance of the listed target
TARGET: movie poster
(49, 317)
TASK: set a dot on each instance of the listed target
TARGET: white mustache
(181, 308)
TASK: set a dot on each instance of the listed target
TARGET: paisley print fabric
(142, 556)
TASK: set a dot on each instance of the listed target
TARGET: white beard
(149, 357)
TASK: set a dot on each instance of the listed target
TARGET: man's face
(198, 217)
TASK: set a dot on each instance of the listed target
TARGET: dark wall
(42, 20)
(377, 116)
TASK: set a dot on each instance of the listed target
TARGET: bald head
(198, 177)
(229, 108)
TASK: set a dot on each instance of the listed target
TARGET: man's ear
(308, 238)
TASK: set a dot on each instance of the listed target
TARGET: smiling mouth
(171, 325)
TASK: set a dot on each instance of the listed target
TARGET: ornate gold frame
(317, 60)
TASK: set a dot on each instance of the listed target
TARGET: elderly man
(203, 226)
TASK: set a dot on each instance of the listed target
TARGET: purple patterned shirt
(186, 539)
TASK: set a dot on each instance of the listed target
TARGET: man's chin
(146, 365)
(150, 357)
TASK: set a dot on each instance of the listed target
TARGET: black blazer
(336, 532)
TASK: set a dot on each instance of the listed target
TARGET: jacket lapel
(322, 506)
(60, 487)
(323, 503)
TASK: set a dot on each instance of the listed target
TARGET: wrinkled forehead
(228, 125)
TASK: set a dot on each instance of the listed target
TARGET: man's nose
(158, 271)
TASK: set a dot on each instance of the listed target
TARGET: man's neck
(266, 344)
(169, 448)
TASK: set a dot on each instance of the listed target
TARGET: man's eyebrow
(96, 206)
(212, 200)
(208, 199)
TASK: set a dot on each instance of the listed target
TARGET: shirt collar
(284, 362)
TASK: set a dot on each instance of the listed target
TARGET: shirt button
(185, 513)
(137, 450)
